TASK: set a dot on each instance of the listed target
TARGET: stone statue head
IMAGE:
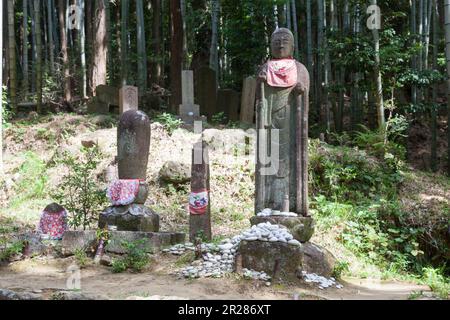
(282, 43)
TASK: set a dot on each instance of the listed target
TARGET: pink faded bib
(282, 73)
(123, 192)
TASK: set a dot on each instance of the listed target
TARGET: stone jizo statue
(282, 123)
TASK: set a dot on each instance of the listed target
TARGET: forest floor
(49, 275)
(33, 144)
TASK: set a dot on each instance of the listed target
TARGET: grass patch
(32, 180)
(185, 259)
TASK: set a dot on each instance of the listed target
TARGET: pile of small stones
(220, 259)
(269, 232)
(217, 260)
(269, 212)
(181, 248)
(322, 281)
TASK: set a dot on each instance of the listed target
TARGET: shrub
(169, 121)
(78, 191)
(10, 250)
(81, 257)
(135, 257)
(437, 282)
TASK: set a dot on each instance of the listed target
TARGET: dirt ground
(40, 275)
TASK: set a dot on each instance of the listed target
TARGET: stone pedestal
(134, 217)
(87, 241)
(285, 262)
(302, 228)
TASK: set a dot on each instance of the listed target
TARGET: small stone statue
(53, 222)
(282, 123)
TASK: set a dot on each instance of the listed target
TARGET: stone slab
(96, 106)
(302, 228)
(248, 100)
(128, 99)
(87, 240)
(107, 94)
(228, 103)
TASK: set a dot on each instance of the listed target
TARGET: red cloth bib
(198, 202)
(123, 192)
(281, 73)
(53, 224)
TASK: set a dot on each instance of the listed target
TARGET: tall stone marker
(188, 111)
(248, 100)
(199, 199)
(129, 193)
(206, 91)
(228, 102)
(128, 99)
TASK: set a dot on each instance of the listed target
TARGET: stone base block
(134, 217)
(302, 228)
(96, 106)
(285, 262)
(87, 240)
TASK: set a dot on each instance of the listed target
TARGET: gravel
(321, 281)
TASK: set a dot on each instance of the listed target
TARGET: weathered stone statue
(129, 193)
(282, 123)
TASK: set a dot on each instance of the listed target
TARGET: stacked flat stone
(275, 213)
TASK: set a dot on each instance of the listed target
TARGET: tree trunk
(156, 60)
(37, 18)
(100, 46)
(12, 57)
(427, 17)
(1, 87)
(82, 40)
(434, 162)
(56, 40)
(295, 26)
(33, 47)
(447, 55)
(109, 64)
(379, 84)
(287, 10)
(327, 74)
(124, 41)
(176, 54)
(183, 19)
(213, 58)
(142, 55)
(25, 83)
(319, 61)
(309, 44)
(64, 53)
(414, 57)
(51, 46)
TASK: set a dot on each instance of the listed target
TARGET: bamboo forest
(225, 150)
